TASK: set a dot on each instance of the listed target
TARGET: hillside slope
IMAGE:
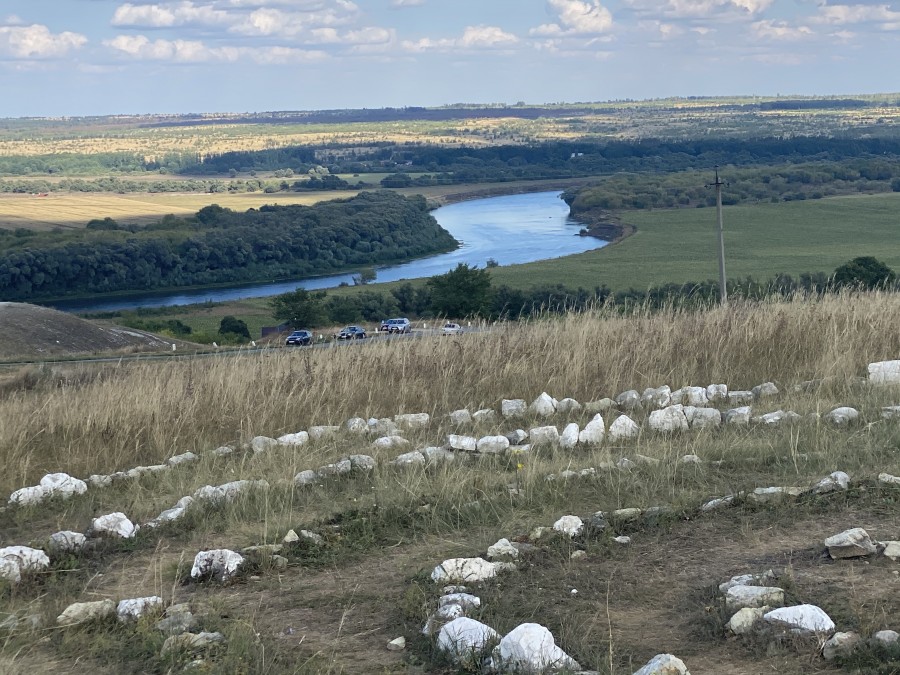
(29, 331)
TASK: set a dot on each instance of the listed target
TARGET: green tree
(343, 309)
(300, 308)
(465, 291)
(365, 276)
(864, 272)
(231, 325)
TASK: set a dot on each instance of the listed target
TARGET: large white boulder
(568, 439)
(834, 482)
(803, 618)
(738, 597)
(628, 400)
(655, 398)
(66, 541)
(466, 640)
(134, 608)
(80, 612)
(463, 443)
(295, 439)
(62, 485)
(623, 428)
(530, 648)
(717, 393)
(114, 525)
(664, 664)
(840, 644)
(171, 515)
(744, 620)
(693, 396)
(543, 406)
(18, 560)
(888, 479)
(548, 435)
(514, 407)
(355, 425)
(464, 570)
(669, 419)
(492, 445)
(593, 431)
(852, 543)
(28, 496)
(571, 526)
(843, 416)
(503, 549)
(221, 564)
(702, 418)
(737, 398)
(884, 372)
(413, 420)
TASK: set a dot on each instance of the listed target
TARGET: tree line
(219, 245)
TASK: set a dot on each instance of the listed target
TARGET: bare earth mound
(29, 331)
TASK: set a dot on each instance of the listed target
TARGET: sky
(99, 57)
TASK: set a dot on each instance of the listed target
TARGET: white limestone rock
(306, 477)
(18, 560)
(892, 550)
(183, 458)
(492, 445)
(628, 515)
(568, 406)
(99, 480)
(462, 443)
(466, 641)
(517, 437)
(890, 412)
(834, 482)
(571, 526)
(413, 421)
(390, 443)
(801, 618)
(692, 396)
(362, 462)
(461, 417)
(884, 372)
(543, 406)
(356, 425)
(296, 439)
(382, 427)
(843, 416)
(311, 537)
(221, 564)
(747, 580)
(548, 435)
(886, 638)
(888, 479)
(62, 485)
(434, 455)
(408, 460)
(852, 543)
(664, 664)
(340, 468)
(81, 612)
(464, 570)
(656, 398)
(593, 431)
(66, 542)
(515, 407)
(736, 398)
(317, 433)
(484, 416)
(568, 439)
(628, 400)
(622, 540)
(746, 619)
(702, 418)
(133, 609)
(139, 471)
(770, 495)
(531, 648)
(601, 406)
(223, 451)
(691, 459)
(717, 393)
(625, 464)
(764, 390)
(114, 525)
(397, 644)
(262, 444)
(503, 549)
(717, 503)
(668, 420)
(28, 496)
(191, 642)
(840, 645)
(739, 597)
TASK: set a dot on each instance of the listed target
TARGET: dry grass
(365, 587)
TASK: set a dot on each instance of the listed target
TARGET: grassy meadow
(334, 607)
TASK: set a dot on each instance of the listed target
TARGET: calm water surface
(512, 229)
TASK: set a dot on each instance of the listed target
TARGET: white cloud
(363, 36)
(575, 17)
(883, 15)
(473, 37)
(664, 30)
(780, 30)
(267, 21)
(37, 42)
(407, 3)
(167, 15)
(194, 51)
(698, 8)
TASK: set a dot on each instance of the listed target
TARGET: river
(510, 230)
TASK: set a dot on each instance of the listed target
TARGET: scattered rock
(517, 437)
(409, 459)
(502, 550)
(593, 431)
(622, 539)
(100, 481)
(463, 443)
(717, 393)
(668, 419)
(840, 645)
(438, 455)
(736, 398)
(568, 406)
(291, 537)
(461, 417)
(853, 543)
(884, 372)
(628, 400)
(390, 443)
(220, 564)
(842, 416)
(178, 619)
(543, 406)
(492, 445)
(628, 515)
(223, 451)
(413, 420)
(62, 485)
(578, 555)
(18, 560)
(764, 390)
(307, 477)
(544, 436)
(464, 570)
(191, 642)
(626, 464)
(623, 428)
(769, 495)
(295, 439)
(262, 444)
(888, 479)
(183, 458)
(664, 664)
(568, 439)
(718, 503)
(484, 416)
(803, 618)
(134, 608)
(571, 526)
(356, 425)
(466, 641)
(831, 483)
(397, 644)
(513, 407)
(702, 418)
(317, 433)
(66, 542)
(738, 417)
(747, 580)
(173, 514)
(892, 550)
(745, 619)
(691, 459)
(312, 537)
(890, 412)
(79, 612)
(694, 397)
(382, 427)
(653, 399)
(362, 463)
(531, 648)
(886, 638)
(339, 468)
(739, 597)
(114, 525)
(601, 406)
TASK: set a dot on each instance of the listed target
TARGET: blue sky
(84, 57)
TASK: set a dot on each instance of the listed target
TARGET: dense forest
(220, 246)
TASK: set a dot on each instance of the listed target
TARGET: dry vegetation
(334, 609)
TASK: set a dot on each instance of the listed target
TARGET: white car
(451, 329)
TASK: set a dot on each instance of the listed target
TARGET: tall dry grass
(133, 414)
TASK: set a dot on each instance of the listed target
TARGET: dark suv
(299, 337)
(396, 326)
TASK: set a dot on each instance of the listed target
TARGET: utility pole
(723, 289)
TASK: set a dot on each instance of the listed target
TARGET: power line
(723, 288)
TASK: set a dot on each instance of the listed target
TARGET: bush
(232, 326)
(864, 272)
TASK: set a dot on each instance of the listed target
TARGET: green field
(761, 240)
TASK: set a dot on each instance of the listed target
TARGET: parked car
(451, 329)
(352, 333)
(396, 326)
(299, 337)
